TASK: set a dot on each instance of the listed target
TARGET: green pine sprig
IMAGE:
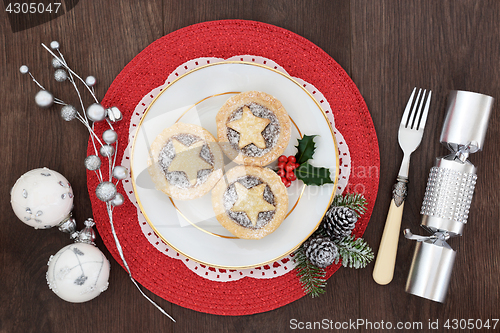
(354, 201)
(355, 253)
(311, 277)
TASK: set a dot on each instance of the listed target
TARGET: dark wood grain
(387, 47)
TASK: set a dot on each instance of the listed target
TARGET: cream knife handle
(386, 256)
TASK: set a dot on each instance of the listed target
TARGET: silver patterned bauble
(60, 75)
(44, 99)
(24, 69)
(90, 81)
(120, 172)
(109, 136)
(105, 191)
(78, 272)
(56, 63)
(107, 151)
(68, 112)
(42, 198)
(54, 45)
(92, 162)
(118, 200)
(114, 114)
(96, 112)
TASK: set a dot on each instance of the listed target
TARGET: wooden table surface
(386, 46)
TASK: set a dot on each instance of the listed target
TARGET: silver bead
(90, 81)
(68, 112)
(54, 45)
(105, 191)
(107, 151)
(109, 136)
(56, 63)
(118, 200)
(120, 172)
(60, 75)
(24, 69)
(96, 112)
(92, 162)
(114, 114)
(44, 99)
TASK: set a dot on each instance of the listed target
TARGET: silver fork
(411, 130)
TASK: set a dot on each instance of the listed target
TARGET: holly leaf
(305, 149)
(312, 175)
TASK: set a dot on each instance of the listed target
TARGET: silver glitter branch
(106, 191)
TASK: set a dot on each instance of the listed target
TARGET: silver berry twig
(106, 190)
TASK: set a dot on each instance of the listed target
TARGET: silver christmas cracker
(448, 195)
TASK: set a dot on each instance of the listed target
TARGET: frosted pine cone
(339, 222)
(320, 251)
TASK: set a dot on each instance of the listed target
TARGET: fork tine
(414, 112)
(406, 113)
(421, 125)
(416, 116)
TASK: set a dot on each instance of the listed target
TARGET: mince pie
(185, 161)
(253, 128)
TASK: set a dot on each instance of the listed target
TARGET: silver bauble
(60, 75)
(107, 151)
(109, 136)
(120, 172)
(68, 112)
(105, 191)
(56, 63)
(90, 81)
(96, 112)
(44, 99)
(118, 200)
(92, 162)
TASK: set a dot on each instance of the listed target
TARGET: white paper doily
(279, 267)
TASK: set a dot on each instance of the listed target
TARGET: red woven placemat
(170, 278)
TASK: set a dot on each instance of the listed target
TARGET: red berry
(297, 165)
(289, 167)
(281, 165)
(287, 183)
(293, 177)
(291, 159)
(283, 159)
(281, 173)
(289, 175)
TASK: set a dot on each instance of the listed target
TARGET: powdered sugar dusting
(270, 133)
(230, 196)
(179, 178)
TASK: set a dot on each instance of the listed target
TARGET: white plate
(190, 227)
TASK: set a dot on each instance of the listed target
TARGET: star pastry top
(253, 128)
(185, 161)
(250, 202)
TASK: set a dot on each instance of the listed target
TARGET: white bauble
(42, 198)
(78, 273)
